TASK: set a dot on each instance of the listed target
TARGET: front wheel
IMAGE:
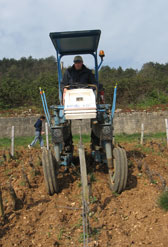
(50, 171)
(118, 173)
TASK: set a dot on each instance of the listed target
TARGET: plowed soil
(132, 218)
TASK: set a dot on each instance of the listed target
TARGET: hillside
(20, 81)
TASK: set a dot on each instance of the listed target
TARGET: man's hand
(42, 132)
(64, 92)
(65, 89)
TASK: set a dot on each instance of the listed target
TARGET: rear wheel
(118, 173)
(50, 171)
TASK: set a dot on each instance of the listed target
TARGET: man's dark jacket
(83, 76)
(38, 125)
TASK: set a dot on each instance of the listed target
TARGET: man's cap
(78, 59)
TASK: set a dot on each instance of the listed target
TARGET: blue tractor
(80, 103)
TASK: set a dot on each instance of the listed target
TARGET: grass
(93, 199)
(24, 141)
(7, 172)
(126, 137)
(144, 149)
(19, 141)
(60, 233)
(154, 182)
(85, 139)
(95, 231)
(136, 137)
(92, 178)
(163, 200)
(78, 224)
(22, 183)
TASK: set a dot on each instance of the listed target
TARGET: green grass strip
(24, 141)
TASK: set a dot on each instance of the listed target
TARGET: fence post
(166, 122)
(12, 141)
(46, 131)
(1, 205)
(142, 133)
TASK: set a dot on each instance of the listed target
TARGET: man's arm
(36, 125)
(92, 78)
(65, 80)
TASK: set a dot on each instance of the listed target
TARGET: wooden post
(142, 133)
(12, 141)
(166, 122)
(1, 205)
(46, 130)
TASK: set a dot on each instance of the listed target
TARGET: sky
(134, 32)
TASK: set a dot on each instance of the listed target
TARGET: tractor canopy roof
(76, 42)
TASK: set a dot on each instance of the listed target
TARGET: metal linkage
(45, 106)
(114, 101)
(85, 221)
(44, 96)
(59, 75)
(85, 192)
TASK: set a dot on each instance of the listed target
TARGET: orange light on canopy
(101, 53)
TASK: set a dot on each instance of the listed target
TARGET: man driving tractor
(77, 73)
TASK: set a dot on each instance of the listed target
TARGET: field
(136, 217)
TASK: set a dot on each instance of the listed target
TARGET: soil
(132, 218)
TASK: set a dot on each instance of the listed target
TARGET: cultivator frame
(103, 148)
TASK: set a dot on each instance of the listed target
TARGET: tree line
(20, 81)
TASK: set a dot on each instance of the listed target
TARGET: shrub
(163, 200)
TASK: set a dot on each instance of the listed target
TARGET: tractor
(82, 102)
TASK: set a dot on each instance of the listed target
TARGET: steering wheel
(75, 85)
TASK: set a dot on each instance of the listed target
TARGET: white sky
(133, 31)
